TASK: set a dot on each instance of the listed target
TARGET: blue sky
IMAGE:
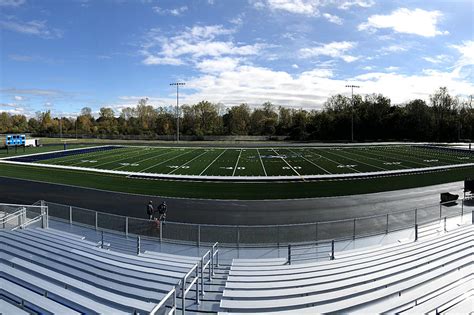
(63, 55)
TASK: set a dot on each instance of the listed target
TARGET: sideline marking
(263, 166)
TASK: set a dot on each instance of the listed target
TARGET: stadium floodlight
(352, 109)
(177, 107)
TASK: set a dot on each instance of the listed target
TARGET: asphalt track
(227, 211)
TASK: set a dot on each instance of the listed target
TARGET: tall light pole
(352, 108)
(177, 107)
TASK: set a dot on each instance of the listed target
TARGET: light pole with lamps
(177, 107)
(352, 109)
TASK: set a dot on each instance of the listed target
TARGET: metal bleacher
(62, 268)
(421, 276)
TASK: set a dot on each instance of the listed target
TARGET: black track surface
(227, 211)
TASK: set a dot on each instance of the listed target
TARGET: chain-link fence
(260, 235)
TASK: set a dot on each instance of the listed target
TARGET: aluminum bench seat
(345, 299)
(124, 269)
(8, 308)
(171, 257)
(114, 258)
(80, 286)
(30, 299)
(56, 292)
(137, 260)
(328, 265)
(63, 234)
(259, 262)
(350, 280)
(106, 284)
(311, 275)
(464, 307)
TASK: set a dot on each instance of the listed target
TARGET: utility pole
(352, 109)
(177, 107)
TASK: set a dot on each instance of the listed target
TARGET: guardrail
(20, 216)
(260, 235)
(185, 289)
(159, 308)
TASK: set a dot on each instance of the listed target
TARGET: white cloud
(175, 12)
(360, 3)
(368, 68)
(403, 20)
(394, 48)
(333, 18)
(192, 45)
(11, 3)
(466, 49)
(334, 50)
(437, 59)
(305, 7)
(218, 65)
(311, 89)
(295, 66)
(392, 68)
(18, 98)
(35, 27)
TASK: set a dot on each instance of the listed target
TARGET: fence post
(289, 254)
(416, 232)
(199, 236)
(70, 214)
(316, 231)
(462, 210)
(202, 276)
(197, 285)
(161, 231)
(416, 216)
(126, 226)
(386, 227)
(440, 210)
(445, 229)
(102, 239)
(332, 250)
(238, 237)
(138, 245)
(354, 230)
(96, 220)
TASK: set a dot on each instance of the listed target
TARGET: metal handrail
(11, 215)
(184, 290)
(159, 306)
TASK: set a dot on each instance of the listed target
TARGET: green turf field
(257, 162)
(264, 162)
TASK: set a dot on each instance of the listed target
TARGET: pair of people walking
(162, 209)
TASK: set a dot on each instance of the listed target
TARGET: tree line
(443, 118)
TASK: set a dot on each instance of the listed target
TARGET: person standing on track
(162, 210)
(150, 210)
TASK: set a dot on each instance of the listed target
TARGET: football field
(202, 162)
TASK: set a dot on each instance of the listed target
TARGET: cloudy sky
(63, 55)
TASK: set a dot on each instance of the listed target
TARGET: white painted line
(358, 161)
(121, 157)
(286, 163)
(263, 166)
(237, 163)
(212, 162)
(175, 157)
(143, 160)
(335, 162)
(205, 152)
(312, 162)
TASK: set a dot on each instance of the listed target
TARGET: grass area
(265, 161)
(243, 191)
(252, 162)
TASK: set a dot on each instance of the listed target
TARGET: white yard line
(377, 159)
(143, 160)
(102, 156)
(336, 162)
(358, 161)
(287, 163)
(72, 158)
(213, 162)
(263, 166)
(205, 152)
(175, 157)
(402, 159)
(237, 163)
(311, 162)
